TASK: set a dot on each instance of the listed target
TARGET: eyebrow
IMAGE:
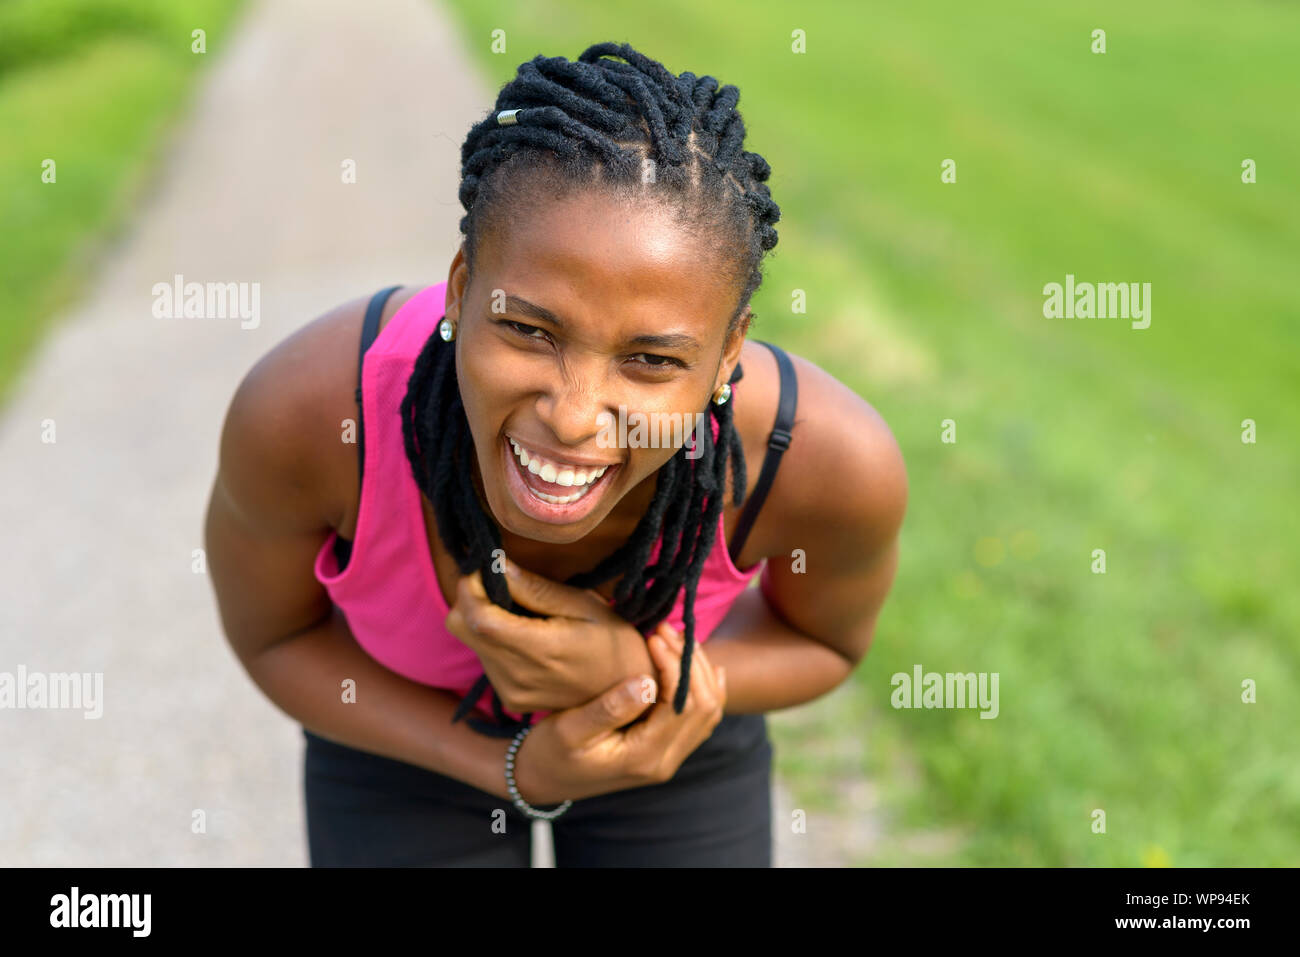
(670, 340)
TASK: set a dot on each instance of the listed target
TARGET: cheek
(495, 368)
(484, 376)
(643, 463)
(669, 415)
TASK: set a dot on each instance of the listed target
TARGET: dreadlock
(608, 121)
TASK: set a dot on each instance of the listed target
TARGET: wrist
(512, 784)
(499, 788)
(524, 784)
(525, 774)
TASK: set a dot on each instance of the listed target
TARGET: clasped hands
(564, 660)
(582, 663)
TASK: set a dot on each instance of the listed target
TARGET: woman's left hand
(547, 664)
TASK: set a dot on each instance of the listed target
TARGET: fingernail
(645, 689)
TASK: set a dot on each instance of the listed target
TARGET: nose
(572, 404)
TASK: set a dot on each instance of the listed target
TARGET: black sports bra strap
(369, 331)
(777, 443)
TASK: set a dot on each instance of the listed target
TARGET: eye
(525, 331)
(647, 360)
(659, 362)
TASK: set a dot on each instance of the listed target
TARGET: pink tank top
(388, 591)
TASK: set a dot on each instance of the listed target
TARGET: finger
(541, 594)
(704, 693)
(669, 661)
(472, 585)
(489, 623)
(455, 623)
(485, 639)
(677, 646)
(701, 668)
(618, 706)
(658, 730)
(665, 735)
(678, 641)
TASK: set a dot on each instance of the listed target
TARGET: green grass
(93, 87)
(1118, 691)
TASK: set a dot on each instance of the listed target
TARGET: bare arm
(773, 665)
(264, 526)
(393, 716)
(831, 566)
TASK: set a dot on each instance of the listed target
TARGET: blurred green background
(93, 84)
(1119, 691)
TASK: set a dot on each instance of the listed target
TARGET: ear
(457, 281)
(731, 351)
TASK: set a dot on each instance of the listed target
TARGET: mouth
(553, 492)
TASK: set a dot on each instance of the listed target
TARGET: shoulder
(282, 450)
(841, 485)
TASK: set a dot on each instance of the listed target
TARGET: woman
(463, 599)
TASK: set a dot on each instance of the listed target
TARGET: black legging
(367, 810)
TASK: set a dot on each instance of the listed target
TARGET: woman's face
(587, 309)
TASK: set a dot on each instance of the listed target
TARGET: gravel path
(101, 524)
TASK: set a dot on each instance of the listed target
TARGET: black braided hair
(601, 120)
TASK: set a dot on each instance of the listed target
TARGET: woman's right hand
(581, 751)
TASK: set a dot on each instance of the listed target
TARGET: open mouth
(550, 491)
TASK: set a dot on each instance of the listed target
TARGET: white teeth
(559, 499)
(558, 475)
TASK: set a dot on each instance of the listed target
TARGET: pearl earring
(722, 395)
(447, 329)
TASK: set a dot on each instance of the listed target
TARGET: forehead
(609, 250)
